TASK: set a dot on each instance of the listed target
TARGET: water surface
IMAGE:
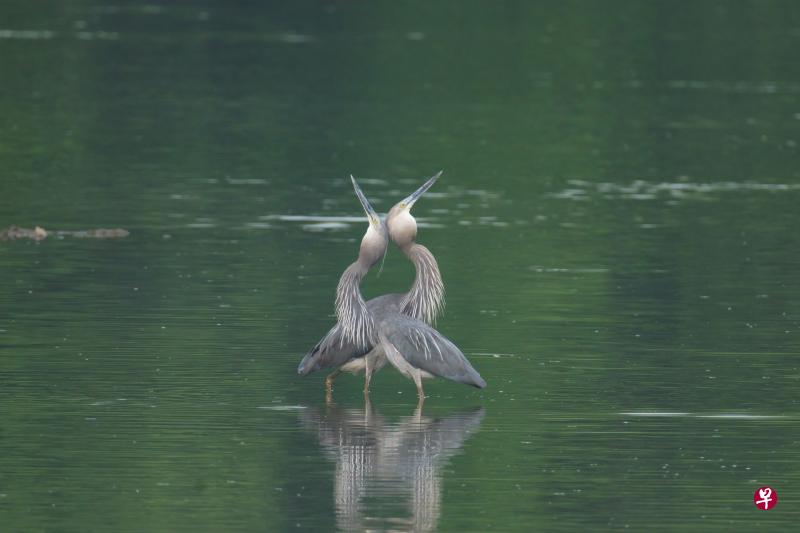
(616, 226)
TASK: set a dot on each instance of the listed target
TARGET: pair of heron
(394, 328)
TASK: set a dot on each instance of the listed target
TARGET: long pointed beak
(414, 196)
(373, 217)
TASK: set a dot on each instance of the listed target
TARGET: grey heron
(416, 349)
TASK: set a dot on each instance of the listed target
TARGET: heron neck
(425, 300)
(351, 309)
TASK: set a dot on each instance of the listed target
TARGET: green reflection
(616, 227)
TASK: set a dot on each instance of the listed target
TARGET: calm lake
(617, 225)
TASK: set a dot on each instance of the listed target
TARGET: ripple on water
(742, 416)
(676, 414)
(43, 35)
(312, 218)
(258, 225)
(321, 223)
(581, 190)
(246, 181)
(325, 226)
(743, 87)
(536, 268)
(26, 34)
(202, 222)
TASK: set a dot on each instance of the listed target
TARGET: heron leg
(418, 383)
(329, 384)
(367, 376)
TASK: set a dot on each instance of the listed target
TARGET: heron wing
(425, 348)
(335, 349)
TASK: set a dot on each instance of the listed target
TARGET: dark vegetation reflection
(384, 466)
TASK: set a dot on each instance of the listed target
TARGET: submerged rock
(38, 233)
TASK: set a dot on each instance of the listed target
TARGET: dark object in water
(38, 233)
(15, 232)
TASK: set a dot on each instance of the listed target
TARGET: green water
(617, 228)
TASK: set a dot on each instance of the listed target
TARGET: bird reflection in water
(379, 463)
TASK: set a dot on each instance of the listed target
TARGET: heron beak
(408, 203)
(373, 217)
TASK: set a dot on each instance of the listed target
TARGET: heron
(343, 347)
(414, 348)
(425, 300)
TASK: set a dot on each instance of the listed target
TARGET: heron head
(375, 240)
(401, 224)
